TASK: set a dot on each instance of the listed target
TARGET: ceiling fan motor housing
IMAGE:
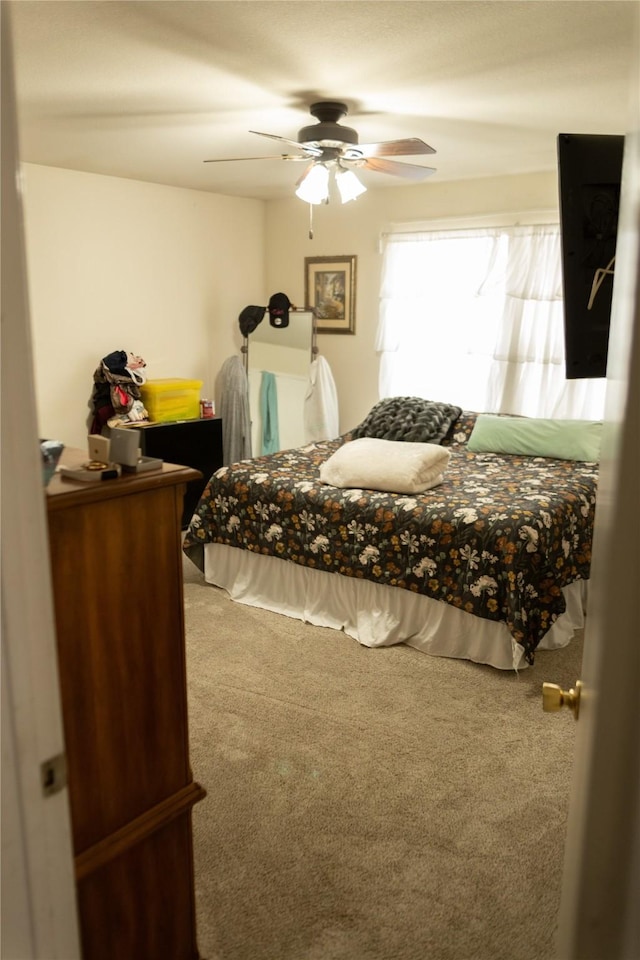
(334, 133)
(328, 112)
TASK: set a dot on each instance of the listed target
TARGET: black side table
(192, 443)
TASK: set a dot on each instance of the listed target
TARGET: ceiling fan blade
(410, 171)
(279, 156)
(412, 146)
(274, 136)
(310, 149)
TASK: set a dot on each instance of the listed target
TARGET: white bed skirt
(376, 615)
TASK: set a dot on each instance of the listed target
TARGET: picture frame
(330, 291)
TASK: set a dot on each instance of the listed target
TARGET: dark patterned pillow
(411, 419)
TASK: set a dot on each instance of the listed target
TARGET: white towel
(393, 465)
(321, 414)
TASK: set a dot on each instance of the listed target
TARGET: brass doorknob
(554, 698)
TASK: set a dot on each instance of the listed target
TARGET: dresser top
(62, 493)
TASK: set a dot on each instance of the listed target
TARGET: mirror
(278, 371)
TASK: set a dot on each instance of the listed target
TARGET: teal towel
(269, 413)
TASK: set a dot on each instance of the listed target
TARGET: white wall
(118, 264)
(354, 229)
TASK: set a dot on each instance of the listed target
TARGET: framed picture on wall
(330, 291)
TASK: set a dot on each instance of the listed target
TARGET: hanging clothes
(234, 411)
(321, 413)
(269, 413)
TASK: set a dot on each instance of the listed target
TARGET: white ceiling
(148, 90)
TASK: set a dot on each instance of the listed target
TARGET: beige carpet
(370, 804)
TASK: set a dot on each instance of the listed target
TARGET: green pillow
(529, 437)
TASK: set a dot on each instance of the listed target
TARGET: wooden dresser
(117, 581)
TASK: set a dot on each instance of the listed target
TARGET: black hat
(279, 306)
(249, 319)
(116, 363)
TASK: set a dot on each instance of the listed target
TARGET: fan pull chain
(310, 221)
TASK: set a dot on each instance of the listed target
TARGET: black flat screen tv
(589, 175)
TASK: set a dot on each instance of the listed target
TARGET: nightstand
(193, 443)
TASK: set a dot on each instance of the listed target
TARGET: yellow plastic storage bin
(167, 400)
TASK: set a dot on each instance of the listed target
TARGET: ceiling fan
(329, 146)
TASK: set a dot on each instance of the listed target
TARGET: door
(38, 892)
(599, 915)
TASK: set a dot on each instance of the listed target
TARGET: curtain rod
(508, 218)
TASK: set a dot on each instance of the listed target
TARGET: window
(475, 318)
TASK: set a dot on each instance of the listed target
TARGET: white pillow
(393, 465)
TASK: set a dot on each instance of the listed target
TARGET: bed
(490, 564)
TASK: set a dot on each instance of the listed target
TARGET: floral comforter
(499, 538)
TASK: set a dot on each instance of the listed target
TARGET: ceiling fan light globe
(314, 187)
(349, 186)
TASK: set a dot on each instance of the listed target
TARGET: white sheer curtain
(475, 318)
